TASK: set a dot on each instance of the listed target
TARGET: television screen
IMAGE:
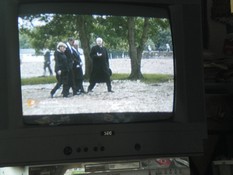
(145, 87)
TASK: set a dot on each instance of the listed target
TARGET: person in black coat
(70, 57)
(77, 70)
(47, 63)
(61, 70)
(100, 66)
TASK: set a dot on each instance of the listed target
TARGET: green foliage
(38, 80)
(157, 78)
(161, 38)
(148, 78)
(46, 30)
(119, 76)
(24, 41)
(119, 33)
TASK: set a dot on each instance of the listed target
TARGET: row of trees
(132, 34)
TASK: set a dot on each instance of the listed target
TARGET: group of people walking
(69, 72)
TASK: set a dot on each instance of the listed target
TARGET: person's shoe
(89, 90)
(79, 93)
(51, 94)
(110, 91)
(82, 91)
(65, 94)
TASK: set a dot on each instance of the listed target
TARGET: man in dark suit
(47, 63)
(77, 69)
(100, 66)
(70, 57)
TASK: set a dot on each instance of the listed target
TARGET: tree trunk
(135, 52)
(135, 63)
(85, 45)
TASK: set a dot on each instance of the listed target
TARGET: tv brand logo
(107, 133)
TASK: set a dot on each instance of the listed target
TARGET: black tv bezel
(138, 140)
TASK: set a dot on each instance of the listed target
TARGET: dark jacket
(70, 56)
(61, 62)
(77, 65)
(100, 64)
(47, 58)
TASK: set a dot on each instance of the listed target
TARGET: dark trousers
(58, 84)
(93, 83)
(71, 82)
(80, 86)
(66, 85)
(62, 80)
(49, 68)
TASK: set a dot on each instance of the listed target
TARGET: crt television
(74, 136)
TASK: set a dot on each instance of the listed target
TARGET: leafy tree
(84, 24)
(24, 41)
(136, 46)
(162, 34)
(130, 34)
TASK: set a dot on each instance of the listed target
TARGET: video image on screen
(139, 53)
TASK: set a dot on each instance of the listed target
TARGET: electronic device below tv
(30, 139)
